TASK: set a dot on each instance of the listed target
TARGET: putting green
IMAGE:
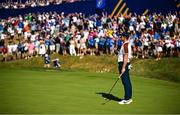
(42, 91)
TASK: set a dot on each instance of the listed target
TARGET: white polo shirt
(122, 52)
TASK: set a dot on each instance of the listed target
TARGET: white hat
(46, 55)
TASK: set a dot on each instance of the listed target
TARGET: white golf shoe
(122, 102)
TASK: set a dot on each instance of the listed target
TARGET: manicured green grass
(24, 90)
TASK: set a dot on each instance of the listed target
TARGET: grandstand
(89, 7)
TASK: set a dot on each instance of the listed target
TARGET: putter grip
(120, 75)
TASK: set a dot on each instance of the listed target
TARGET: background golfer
(124, 57)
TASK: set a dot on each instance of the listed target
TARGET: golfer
(124, 57)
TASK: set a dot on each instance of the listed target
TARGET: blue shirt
(119, 43)
(98, 23)
(1, 28)
(112, 43)
(101, 42)
(33, 27)
(20, 24)
(91, 41)
(156, 36)
(47, 41)
(107, 41)
(20, 47)
(139, 43)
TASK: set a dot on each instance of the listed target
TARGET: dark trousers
(126, 81)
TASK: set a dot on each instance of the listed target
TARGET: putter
(112, 89)
(113, 85)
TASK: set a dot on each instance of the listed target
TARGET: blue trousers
(126, 81)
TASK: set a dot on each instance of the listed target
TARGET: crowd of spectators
(151, 36)
(32, 3)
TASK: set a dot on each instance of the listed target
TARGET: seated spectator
(46, 61)
(56, 63)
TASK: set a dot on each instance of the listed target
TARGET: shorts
(52, 47)
(83, 46)
(145, 48)
(100, 47)
(78, 46)
(14, 53)
(159, 49)
(31, 51)
(177, 49)
(91, 46)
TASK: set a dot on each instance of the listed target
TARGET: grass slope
(166, 68)
(27, 90)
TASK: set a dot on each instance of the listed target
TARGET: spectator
(57, 44)
(31, 49)
(46, 61)
(153, 35)
(56, 63)
(4, 53)
(178, 46)
(42, 48)
(72, 50)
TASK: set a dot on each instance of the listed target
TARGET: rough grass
(166, 68)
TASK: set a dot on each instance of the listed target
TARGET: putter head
(105, 102)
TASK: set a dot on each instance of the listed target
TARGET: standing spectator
(156, 36)
(168, 46)
(20, 50)
(91, 45)
(82, 47)
(26, 46)
(4, 52)
(112, 43)
(159, 49)
(37, 47)
(11, 31)
(77, 40)
(178, 46)
(145, 46)
(138, 44)
(3, 36)
(42, 48)
(63, 45)
(119, 43)
(57, 44)
(31, 49)
(107, 45)
(101, 45)
(10, 47)
(14, 50)
(72, 50)
(96, 44)
(51, 45)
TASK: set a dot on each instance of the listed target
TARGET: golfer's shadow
(109, 96)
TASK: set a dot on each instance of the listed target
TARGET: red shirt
(4, 50)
